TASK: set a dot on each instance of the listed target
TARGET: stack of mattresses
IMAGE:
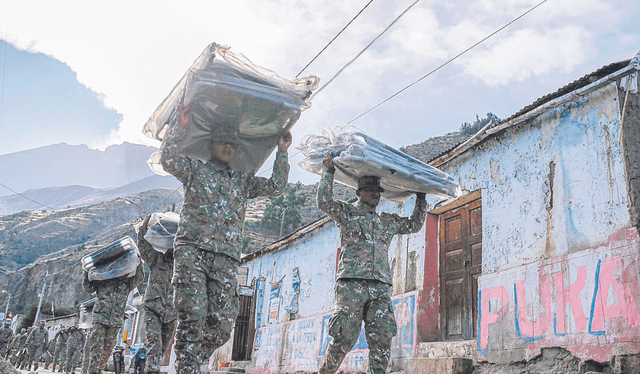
(222, 89)
(118, 259)
(358, 154)
(161, 230)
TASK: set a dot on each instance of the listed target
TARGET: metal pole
(41, 295)
(6, 311)
(282, 220)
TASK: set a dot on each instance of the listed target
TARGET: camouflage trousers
(358, 300)
(57, 357)
(32, 357)
(158, 339)
(100, 343)
(206, 302)
(3, 349)
(69, 360)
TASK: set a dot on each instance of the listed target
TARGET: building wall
(587, 302)
(550, 187)
(560, 251)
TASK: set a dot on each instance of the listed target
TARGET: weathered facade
(541, 251)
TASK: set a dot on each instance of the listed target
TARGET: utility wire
(446, 63)
(26, 197)
(334, 38)
(365, 48)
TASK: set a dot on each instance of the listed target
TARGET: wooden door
(460, 267)
(243, 333)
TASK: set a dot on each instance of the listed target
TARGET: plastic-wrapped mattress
(115, 260)
(161, 230)
(358, 154)
(224, 89)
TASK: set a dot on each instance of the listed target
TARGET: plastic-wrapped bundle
(224, 89)
(108, 253)
(115, 260)
(161, 230)
(358, 154)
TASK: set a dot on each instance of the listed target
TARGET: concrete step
(441, 365)
(457, 348)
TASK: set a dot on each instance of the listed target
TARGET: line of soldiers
(25, 349)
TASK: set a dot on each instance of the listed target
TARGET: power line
(365, 48)
(26, 197)
(334, 38)
(446, 63)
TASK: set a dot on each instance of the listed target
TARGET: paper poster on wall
(260, 284)
(242, 275)
(274, 302)
(294, 304)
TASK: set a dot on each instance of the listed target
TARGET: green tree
(469, 129)
(284, 211)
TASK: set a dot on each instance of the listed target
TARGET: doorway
(460, 266)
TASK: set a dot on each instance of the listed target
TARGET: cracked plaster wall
(552, 186)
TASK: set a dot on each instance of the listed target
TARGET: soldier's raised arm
(332, 208)
(412, 224)
(275, 185)
(172, 162)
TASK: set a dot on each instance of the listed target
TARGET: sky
(92, 73)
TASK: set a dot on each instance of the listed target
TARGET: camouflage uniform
(159, 314)
(364, 276)
(107, 316)
(74, 345)
(59, 341)
(16, 346)
(6, 334)
(208, 247)
(36, 344)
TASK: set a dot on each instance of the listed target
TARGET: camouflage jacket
(112, 296)
(215, 197)
(159, 294)
(61, 338)
(75, 339)
(5, 335)
(38, 338)
(365, 234)
(15, 342)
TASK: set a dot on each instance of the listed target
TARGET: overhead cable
(334, 38)
(446, 63)
(365, 48)
(26, 197)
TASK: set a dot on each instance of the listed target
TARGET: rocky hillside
(29, 235)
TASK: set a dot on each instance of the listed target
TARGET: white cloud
(528, 53)
(133, 53)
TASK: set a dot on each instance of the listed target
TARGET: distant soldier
(74, 344)
(36, 345)
(60, 347)
(107, 317)
(159, 314)
(6, 334)
(22, 349)
(47, 356)
(14, 349)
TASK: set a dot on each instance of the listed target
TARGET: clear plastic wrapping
(118, 259)
(161, 230)
(358, 154)
(225, 89)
